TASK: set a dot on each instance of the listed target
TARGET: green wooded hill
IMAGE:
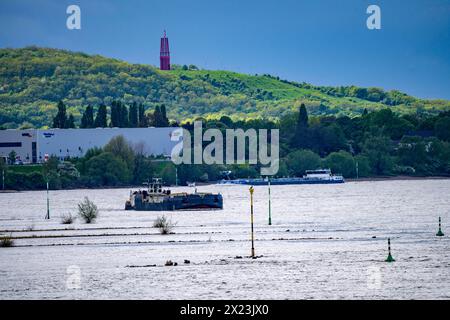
(33, 80)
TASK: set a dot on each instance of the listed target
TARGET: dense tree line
(61, 120)
(122, 116)
(379, 143)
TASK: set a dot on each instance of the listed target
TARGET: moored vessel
(156, 198)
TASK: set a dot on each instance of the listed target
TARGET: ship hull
(179, 202)
(275, 182)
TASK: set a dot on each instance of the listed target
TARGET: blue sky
(323, 42)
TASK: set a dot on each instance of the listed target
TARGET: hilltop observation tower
(164, 57)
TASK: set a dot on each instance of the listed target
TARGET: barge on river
(319, 176)
(155, 198)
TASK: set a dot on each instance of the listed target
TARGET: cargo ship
(319, 176)
(156, 198)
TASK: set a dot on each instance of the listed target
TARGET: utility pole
(3, 179)
(251, 220)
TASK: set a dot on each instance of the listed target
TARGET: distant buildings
(35, 145)
(164, 57)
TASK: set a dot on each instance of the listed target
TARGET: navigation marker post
(251, 221)
(439, 233)
(47, 216)
(270, 206)
(389, 258)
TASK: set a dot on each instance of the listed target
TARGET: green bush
(6, 241)
(87, 210)
(107, 170)
(300, 161)
(24, 181)
(67, 218)
(341, 162)
(164, 225)
(363, 166)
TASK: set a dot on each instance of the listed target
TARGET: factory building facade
(36, 145)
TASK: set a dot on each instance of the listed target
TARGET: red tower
(164, 58)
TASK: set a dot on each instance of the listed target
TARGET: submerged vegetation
(87, 210)
(6, 241)
(67, 218)
(164, 224)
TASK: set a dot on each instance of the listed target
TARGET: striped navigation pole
(389, 258)
(251, 221)
(47, 216)
(270, 207)
(439, 233)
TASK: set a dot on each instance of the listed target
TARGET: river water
(326, 242)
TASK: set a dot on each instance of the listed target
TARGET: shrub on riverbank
(67, 218)
(6, 241)
(87, 210)
(164, 225)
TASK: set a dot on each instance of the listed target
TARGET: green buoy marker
(440, 233)
(389, 258)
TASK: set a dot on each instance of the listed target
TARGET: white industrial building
(35, 145)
